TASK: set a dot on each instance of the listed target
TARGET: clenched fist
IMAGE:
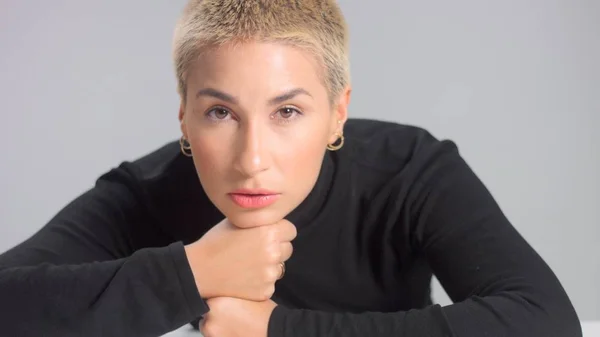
(243, 263)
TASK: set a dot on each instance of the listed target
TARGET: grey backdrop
(85, 85)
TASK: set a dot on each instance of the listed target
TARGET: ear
(182, 120)
(340, 114)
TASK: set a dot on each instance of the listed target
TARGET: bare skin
(258, 117)
(245, 263)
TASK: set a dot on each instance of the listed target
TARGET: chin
(255, 217)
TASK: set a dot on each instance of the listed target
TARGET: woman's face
(258, 118)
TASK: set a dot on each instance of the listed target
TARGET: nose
(252, 154)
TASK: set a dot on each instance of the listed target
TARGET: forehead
(259, 64)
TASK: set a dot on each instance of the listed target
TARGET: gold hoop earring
(186, 148)
(334, 147)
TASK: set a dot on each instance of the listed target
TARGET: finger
(207, 328)
(202, 328)
(286, 250)
(286, 231)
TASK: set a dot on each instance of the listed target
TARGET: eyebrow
(211, 92)
(216, 94)
(288, 95)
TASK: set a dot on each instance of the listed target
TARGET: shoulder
(158, 163)
(162, 169)
(405, 173)
(163, 185)
(391, 148)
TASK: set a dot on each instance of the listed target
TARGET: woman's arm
(86, 272)
(500, 285)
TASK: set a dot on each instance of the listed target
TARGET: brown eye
(221, 113)
(218, 114)
(287, 113)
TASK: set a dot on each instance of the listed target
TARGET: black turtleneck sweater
(391, 208)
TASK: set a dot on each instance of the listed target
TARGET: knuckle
(289, 227)
(274, 255)
(259, 295)
(286, 251)
(293, 229)
(270, 275)
(269, 291)
(272, 252)
(208, 329)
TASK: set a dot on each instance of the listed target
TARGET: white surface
(590, 329)
(86, 84)
(186, 331)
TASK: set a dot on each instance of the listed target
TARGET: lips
(253, 198)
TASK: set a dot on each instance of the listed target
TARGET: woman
(204, 227)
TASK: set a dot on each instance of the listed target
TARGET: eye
(286, 114)
(218, 114)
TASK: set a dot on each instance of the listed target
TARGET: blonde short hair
(317, 26)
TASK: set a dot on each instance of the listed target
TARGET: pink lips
(254, 198)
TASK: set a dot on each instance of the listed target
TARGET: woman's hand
(241, 262)
(233, 317)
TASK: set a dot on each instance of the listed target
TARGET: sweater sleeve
(499, 285)
(92, 271)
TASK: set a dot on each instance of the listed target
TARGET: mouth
(253, 198)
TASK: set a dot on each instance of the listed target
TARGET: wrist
(196, 259)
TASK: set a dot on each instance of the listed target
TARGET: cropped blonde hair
(317, 26)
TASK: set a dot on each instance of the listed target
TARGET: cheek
(209, 158)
